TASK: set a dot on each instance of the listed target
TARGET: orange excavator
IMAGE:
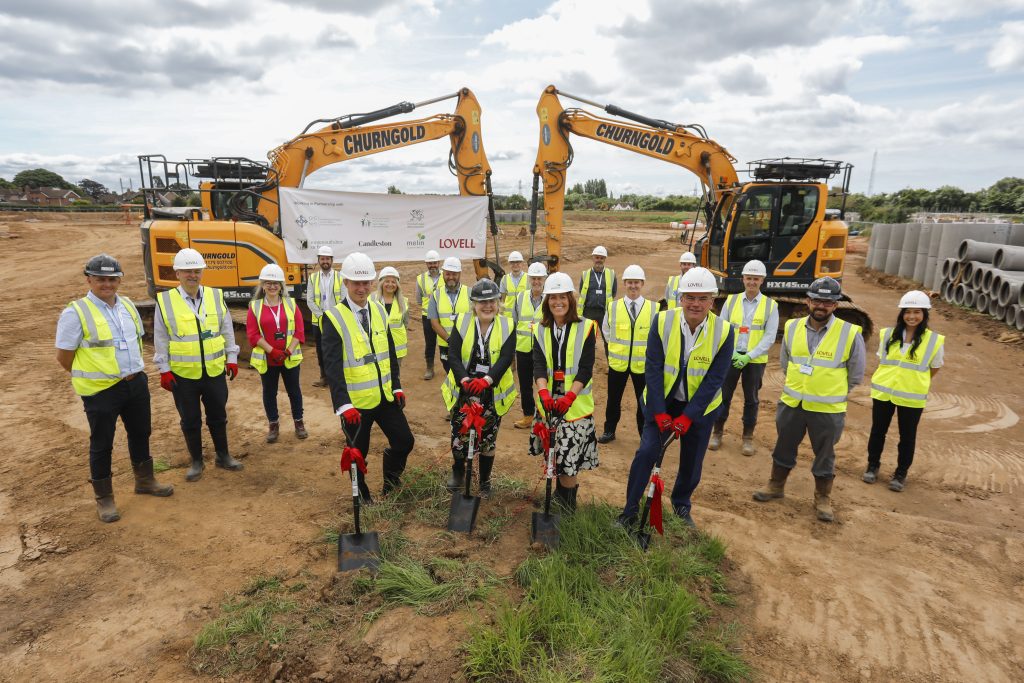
(779, 216)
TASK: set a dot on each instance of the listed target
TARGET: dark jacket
(333, 349)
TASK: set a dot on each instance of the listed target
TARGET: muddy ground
(927, 585)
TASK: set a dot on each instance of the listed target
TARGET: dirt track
(927, 585)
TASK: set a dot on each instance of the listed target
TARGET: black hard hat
(825, 289)
(103, 264)
(484, 290)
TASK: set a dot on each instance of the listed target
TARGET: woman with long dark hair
(909, 354)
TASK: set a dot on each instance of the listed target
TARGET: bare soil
(926, 585)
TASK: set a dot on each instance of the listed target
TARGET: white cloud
(1008, 51)
(951, 10)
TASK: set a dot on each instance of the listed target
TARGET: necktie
(632, 310)
(364, 320)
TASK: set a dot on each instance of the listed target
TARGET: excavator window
(751, 234)
(799, 205)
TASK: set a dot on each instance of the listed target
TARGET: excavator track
(796, 307)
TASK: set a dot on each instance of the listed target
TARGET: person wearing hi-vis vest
(362, 369)
(526, 313)
(194, 347)
(626, 328)
(514, 281)
(426, 283)
(597, 287)
(755, 320)
(686, 261)
(99, 341)
(689, 351)
(909, 355)
(446, 303)
(823, 358)
(323, 292)
(276, 334)
(563, 371)
(479, 388)
(389, 295)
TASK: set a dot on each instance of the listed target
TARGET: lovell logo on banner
(386, 227)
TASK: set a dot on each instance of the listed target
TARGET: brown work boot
(105, 508)
(145, 481)
(429, 373)
(776, 485)
(273, 431)
(716, 437)
(322, 382)
(823, 499)
(524, 423)
(748, 441)
(300, 429)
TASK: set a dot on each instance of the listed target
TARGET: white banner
(386, 227)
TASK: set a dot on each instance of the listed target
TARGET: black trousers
(192, 396)
(128, 400)
(429, 340)
(391, 420)
(907, 419)
(524, 370)
(616, 388)
(318, 335)
(752, 376)
(291, 385)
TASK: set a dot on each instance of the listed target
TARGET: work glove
(351, 416)
(465, 384)
(740, 360)
(167, 381)
(664, 421)
(477, 386)
(399, 398)
(232, 370)
(542, 432)
(277, 356)
(546, 400)
(563, 404)
(681, 424)
(349, 455)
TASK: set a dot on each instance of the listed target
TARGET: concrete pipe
(921, 262)
(869, 261)
(948, 292)
(1009, 287)
(970, 296)
(908, 257)
(955, 233)
(959, 292)
(973, 250)
(881, 247)
(932, 277)
(1019, 323)
(969, 269)
(1009, 258)
(895, 252)
(980, 301)
(1011, 315)
(996, 309)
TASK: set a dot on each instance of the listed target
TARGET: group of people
(683, 361)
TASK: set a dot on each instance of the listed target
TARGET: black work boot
(392, 472)
(457, 479)
(105, 508)
(572, 497)
(145, 481)
(486, 463)
(565, 497)
(194, 443)
(226, 462)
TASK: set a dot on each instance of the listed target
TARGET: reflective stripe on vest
(671, 289)
(258, 357)
(826, 388)
(396, 324)
(185, 354)
(505, 388)
(627, 338)
(528, 318)
(733, 312)
(903, 380)
(367, 363)
(587, 277)
(95, 365)
(444, 308)
(427, 287)
(335, 284)
(705, 347)
(512, 290)
(576, 333)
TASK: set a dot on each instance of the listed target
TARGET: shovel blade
(644, 539)
(544, 529)
(462, 513)
(356, 551)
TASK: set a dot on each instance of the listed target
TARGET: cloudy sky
(935, 86)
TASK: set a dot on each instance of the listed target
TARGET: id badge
(744, 330)
(483, 369)
(806, 369)
(206, 334)
(559, 376)
(122, 345)
(599, 292)
(453, 316)
(279, 335)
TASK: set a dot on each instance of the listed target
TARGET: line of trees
(1003, 196)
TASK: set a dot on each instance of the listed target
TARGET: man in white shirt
(323, 292)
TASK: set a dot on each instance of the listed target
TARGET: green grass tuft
(160, 465)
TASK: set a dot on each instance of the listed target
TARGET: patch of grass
(161, 465)
(437, 586)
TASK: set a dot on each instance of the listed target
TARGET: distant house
(622, 207)
(52, 196)
(14, 196)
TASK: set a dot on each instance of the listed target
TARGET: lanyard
(559, 341)
(482, 341)
(197, 304)
(276, 312)
(598, 278)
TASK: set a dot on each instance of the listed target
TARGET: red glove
(399, 398)
(477, 386)
(351, 416)
(277, 356)
(546, 400)
(681, 424)
(664, 421)
(563, 404)
(350, 455)
(232, 371)
(167, 381)
(543, 433)
(465, 384)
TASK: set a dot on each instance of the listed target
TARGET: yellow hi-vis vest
(367, 363)
(825, 389)
(585, 287)
(512, 289)
(396, 322)
(528, 318)
(901, 379)
(186, 355)
(505, 388)
(627, 338)
(95, 366)
(258, 357)
(733, 312)
(705, 347)
(427, 287)
(576, 334)
(445, 313)
(314, 282)
(670, 291)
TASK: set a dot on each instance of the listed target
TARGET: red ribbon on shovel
(659, 487)
(350, 455)
(474, 418)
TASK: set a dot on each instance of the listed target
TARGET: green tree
(393, 190)
(40, 177)
(6, 184)
(91, 188)
(517, 202)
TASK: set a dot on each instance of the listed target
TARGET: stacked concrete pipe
(986, 273)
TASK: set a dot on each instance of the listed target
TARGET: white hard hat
(389, 271)
(452, 265)
(698, 281)
(325, 251)
(687, 257)
(915, 299)
(432, 256)
(537, 269)
(358, 266)
(188, 259)
(272, 273)
(633, 272)
(755, 267)
(558, 283)
(515, 257)
(599, 251)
